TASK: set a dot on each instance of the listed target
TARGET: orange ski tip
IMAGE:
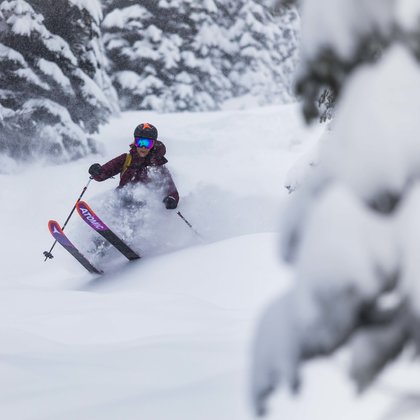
(84, 204)
(55, 223)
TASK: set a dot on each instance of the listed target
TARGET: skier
(144, 162)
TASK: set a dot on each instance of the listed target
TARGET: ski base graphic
(91, 218)
(62, 239)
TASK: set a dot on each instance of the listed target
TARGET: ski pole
(48, 254)
(189, 224)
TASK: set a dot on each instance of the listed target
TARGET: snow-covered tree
(264, 51)
(352, 232)
(144, 43)
(187, 55)
(54, 90)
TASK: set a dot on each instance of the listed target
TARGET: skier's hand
(170, 202)
(95, 169)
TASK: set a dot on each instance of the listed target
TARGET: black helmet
(146, 130)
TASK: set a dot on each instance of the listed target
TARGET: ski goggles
(143, 142)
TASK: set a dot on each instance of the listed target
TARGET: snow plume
(138, 216)
(352, 230)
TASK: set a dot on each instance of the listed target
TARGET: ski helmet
(146, 130)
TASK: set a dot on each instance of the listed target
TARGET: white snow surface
(168, 336)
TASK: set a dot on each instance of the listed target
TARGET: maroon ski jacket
(138, 171)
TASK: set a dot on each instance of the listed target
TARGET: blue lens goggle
(143, 142)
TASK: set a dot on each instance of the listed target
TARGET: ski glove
(95, 169)
(170, 202)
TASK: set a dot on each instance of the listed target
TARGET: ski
(62, 239)
(90, 217)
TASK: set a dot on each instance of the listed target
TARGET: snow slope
(169, 336)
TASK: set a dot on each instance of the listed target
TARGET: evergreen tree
(266, 51)
(352, 230)
(149, 46)
(53, 78)
(184, 55)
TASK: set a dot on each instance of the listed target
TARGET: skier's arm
(109, 169)
(171, 198)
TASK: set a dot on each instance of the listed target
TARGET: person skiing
(144, 162)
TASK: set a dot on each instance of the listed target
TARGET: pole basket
(48, 255)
